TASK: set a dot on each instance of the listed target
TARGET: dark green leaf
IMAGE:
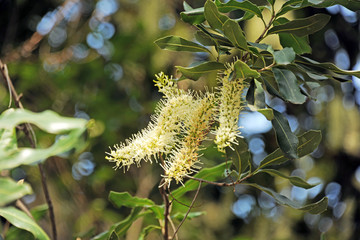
(215, 19)
(287, 140)
(267, 112)
(325, 66)
(250, 95)
(308, 142)
(240, 156)
(126, 200)
(293, 5)
(288, 86)
(271, 2)
(284, 56)
(244, 6)
(20, 220)
(210, 174)
(145, 231)
(314, 208)
(196, 72)
(39, 211)
(299, 44)
(204, 39)
(175, 43)
(11, 191)
(353, 5)
(243, 71)
(235, 34)
(296, 181)
(302, 27)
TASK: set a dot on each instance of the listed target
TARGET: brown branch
(29, 132)
(187, 213)
(167, 204)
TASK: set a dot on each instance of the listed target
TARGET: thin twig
(221, 184)
(167, 205)
(29, 132)
(173, 227)
(267, 67)
(23, 207)
(187, 213)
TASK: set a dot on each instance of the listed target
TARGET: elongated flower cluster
(230, 105)
(184, 159)
(180, 124)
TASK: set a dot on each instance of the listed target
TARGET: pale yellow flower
(160, 137)
(230, 104)
(184, 161)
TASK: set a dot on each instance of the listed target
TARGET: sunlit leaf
(243, 71)
(287, 140)
(288, 86)
(194, 16)
(20, 220)
(175, 43)
(267, 112)
(294, 180)
(236, 5)
(11, 190)
(235, 34)
(284, 56)
(179, 216)
(302, 27)
(313, 208)
(8, 140)
(196, 72)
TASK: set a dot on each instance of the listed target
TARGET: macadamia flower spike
(160, 137)
(230, 104)
(184, 160)
(167, 85)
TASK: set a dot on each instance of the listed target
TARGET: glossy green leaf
(204, 39)
(194, 16)
(126, 200)
(196, 72)
(235, 34)
(294, 180)
(120, 199)
(215, 19)
(293, 5)
(308, 142)
(284, 56)
(71, 129)
(325, 66)
(267, 112)
(210, 174)
(240, 156)
(20, 220)
(175, 43)
(299, 44)
(287, 140)
(48, 121)
(302, 27)
(314, 208)
(243, 71)
(288, 86)
(179, 216)
(186, 6)
(244, 6)
(146, 230)
(8, 140)
(11, 190)
(353, 5)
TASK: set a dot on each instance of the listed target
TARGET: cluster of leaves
(283, 73)
(69, 133)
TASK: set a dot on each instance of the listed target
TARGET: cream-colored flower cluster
(230, 104)
(181, 122)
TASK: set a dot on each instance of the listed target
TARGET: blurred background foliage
(96, 60)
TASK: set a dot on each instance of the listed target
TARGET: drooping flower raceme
(160, 135)
(230, 105)
(184, 160)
